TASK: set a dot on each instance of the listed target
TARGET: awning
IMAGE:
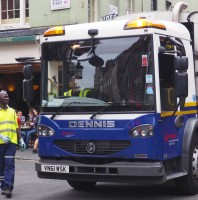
(17, 68)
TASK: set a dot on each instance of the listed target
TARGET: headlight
(143, 133)
(145, 130)
(45, 131)
(51, 132)
(135, 133)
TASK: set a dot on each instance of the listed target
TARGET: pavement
(26, 155)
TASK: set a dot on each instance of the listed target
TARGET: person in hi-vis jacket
(9, 137)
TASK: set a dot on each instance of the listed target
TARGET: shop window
(13, 10)
(154, 5)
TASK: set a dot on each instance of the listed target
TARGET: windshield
(86, 75)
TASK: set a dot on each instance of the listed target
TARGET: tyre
(189, 184)
(81, 185)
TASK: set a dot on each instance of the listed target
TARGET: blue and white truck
(119, 101)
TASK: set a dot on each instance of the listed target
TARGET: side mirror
(28, 90)
(181, 63)
(181, 84)
(28, 83)
(28, 71)
(161, 50)
(96, 61)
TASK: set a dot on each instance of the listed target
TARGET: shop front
(11, 71)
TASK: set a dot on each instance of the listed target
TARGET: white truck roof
(115, 28)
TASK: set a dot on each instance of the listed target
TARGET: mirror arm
(180, 101)
(32, 60)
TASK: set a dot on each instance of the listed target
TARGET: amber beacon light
(144, 23)
(55, 31)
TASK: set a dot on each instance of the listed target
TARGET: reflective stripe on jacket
(82, 93)
(8, 124)
(68, 93)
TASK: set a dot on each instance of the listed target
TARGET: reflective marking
(7, 122)
(9, 156)
(8, 130)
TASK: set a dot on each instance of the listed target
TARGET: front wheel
(189, 184)
(81, 185)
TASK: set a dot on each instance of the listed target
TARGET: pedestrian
(35, 149)
(20, 118)
(33, 121)
(9, 137)
(21, 121)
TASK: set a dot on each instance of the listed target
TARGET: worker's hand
(6, 139)
(22, 145)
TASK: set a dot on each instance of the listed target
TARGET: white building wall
(11, 51)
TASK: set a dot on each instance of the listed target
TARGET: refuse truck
(119, 101)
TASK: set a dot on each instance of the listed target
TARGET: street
(28, 186)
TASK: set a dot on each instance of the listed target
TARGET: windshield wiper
(99, 111)
(52, 117)
(63, 108)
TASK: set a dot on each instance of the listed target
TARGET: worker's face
(72, 82)
(4, 98)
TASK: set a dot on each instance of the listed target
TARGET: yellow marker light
(144, 23)
(55, 31)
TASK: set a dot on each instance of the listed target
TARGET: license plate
(55, 168)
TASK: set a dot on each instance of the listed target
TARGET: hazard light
(144, 23)
(55, 31)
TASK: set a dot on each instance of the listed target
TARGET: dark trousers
(30, 133)
(7, 165)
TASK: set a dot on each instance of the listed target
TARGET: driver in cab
(75, 89)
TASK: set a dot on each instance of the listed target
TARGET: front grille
(102, 147)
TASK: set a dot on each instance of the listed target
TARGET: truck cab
(119, 101)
